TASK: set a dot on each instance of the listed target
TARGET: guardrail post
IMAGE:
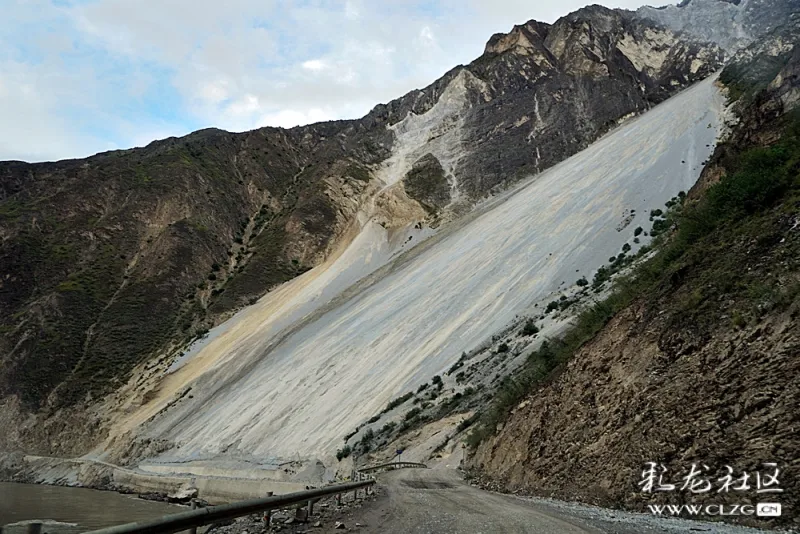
(193, 530)
(268, 513)
(34, 528)
(310, 507)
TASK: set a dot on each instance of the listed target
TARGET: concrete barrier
(212, 489)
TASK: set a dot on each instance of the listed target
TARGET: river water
(86, 508)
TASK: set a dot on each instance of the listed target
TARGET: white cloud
(214, 92)
(314, 65)
(426, 37)
(82, 77)
(30, 126)
(351, 10)
(244, 106)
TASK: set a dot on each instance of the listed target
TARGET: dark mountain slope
(109, 259)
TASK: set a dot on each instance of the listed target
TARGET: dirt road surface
(439, 501)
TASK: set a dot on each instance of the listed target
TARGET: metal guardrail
(214, 514)
(393, 465)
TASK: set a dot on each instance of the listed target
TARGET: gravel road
(439, 501)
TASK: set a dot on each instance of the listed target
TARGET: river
(86, 508)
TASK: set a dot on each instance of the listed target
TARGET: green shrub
(343, 453)
(388, 427)
(602, 275)
(466, 423)
(398, 401)
(366, 439)
(412, 414)
(530, 328)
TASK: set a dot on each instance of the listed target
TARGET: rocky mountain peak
(684, 3)
(732, 24)
(523, 39)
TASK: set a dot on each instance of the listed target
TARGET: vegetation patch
(427, 184)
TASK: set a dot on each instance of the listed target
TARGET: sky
(79, 77)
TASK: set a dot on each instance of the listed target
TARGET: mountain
(732, 24)
(114, 263)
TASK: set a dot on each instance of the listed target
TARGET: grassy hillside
(111, 260)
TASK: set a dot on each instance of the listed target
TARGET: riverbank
(217, 488)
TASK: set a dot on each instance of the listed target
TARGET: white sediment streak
(263, 399)
(439, 131)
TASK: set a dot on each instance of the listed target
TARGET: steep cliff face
(770, 62)
(731, 24)
(702, 367)
(548, 91)
(120, 259)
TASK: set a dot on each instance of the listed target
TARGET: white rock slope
(255, 396)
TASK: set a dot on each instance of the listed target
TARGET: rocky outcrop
(731, 24)
(771, 62)
(526, 40)
(427, 184)
(652, 389)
